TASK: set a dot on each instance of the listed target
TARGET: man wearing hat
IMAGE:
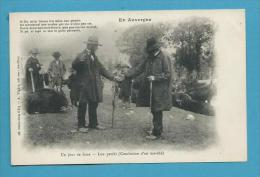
(89, 71)
(57, 70)
(32, 74)
(156, 68)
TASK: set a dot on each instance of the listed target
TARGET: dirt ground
(53, 130)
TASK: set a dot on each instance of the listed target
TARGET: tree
(193, 40)
(133, 41)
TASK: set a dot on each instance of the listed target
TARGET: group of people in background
(154, 90)
(35, 79)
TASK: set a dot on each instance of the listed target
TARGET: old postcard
(128, 87)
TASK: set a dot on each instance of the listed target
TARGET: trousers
(157, 123)
(92, 114)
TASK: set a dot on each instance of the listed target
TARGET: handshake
(119, 78)
(123, 77)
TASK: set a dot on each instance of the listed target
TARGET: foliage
(193, 40)
(133, 41)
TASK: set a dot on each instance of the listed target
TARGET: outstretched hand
(151, 78)
(119, 78)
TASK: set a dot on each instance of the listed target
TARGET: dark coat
(125, 88)
(57, 72)
(89, 71)
(160, 67)
(73, 83)
(35, 65)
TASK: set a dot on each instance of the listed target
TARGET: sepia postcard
(128, 87)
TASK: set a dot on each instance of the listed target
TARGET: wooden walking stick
(150, 104)
(43, 80)
(131, 93)
(114, 103)
(32, 81)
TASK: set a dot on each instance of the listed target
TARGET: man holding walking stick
(155, 90)
(32, 68)
(89, 71)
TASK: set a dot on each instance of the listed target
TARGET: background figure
(125, 88)
(117, 72)
(73, 84)
(57, 70)
(32, 68)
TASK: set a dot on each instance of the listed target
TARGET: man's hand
(41, 72)
(37, 65)
(151, 78)
(30, 69)
(119, 78)
(74, 72)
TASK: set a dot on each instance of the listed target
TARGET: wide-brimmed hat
(56, 54)
(93, 40)
(34, 51)
(152, 44)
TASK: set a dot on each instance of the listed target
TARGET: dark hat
(34, 51)
(93, 40)
(152, 44)
(56, 54)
